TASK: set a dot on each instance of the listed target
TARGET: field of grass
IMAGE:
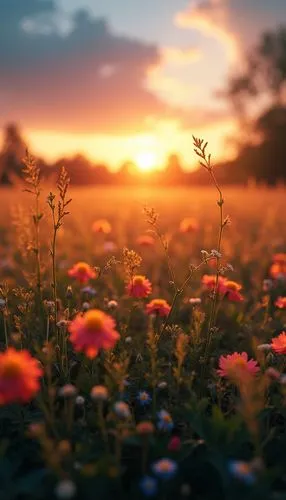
(132, 398)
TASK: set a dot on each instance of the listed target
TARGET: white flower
(195, 300)
(215, 253)
(162, 385)
(85, 306)
(112, 304)
(128, 340)
(264, 347)
(80, 400)
(65, 489)
(2, 303)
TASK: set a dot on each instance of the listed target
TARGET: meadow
(142, 345)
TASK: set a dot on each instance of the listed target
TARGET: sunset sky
(124, 79)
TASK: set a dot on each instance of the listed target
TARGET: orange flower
(92, 331)
(209, 282)
(279, 258)
(19, 376)
(82, 272)
(145, 240)
(278, 268)
(232, 291)
(101, 226)
(237, 365)
(278, 344)
(139, 287)
(281, 302)
(158, 306)
(188, 225)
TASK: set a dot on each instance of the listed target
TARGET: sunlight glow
(146, 161)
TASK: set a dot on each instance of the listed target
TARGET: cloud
(181, 56)
(86, 79)
(236, 23)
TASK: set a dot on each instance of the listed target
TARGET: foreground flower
(145, 240)
(278, 344)
(165, 468)
(19, 376)
(82, 272)
(188, 225)
(236, 365)
(92, 331)
(165, 422)
(148, 486)
(101, 226)
(139, 287)
(242, 470)
(159, 307)
(209, 282)
(281, 302)
(232, 291)
(144, 398)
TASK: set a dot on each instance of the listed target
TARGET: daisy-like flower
(232, 291)
(19, 376)
(159, 307)
(99, 393)
(242, 470)
(82, 272)
(236, 365)
(278, 344)
(101, 226)
(145, 240)
(92, 331)
(139, 287)
(281, 302)
(148, 485)
(144, 398)
(165, 421)
(188, 225)
(209, 283)
(165, 468)
(121, 410)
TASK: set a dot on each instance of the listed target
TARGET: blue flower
(144, 398)
(165, 422)
(148, 486)
(241, 470)
(165, 468)
(89, 290)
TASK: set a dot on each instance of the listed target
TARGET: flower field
(143, 342)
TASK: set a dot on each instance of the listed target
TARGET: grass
(67, 441)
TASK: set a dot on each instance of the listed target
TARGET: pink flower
(92, 331)
(158, 306)
(139, 287)
(279, 343)
(232, 291)
(281, 302)
(174, 444)
(209, 282)
(237, 365)
(82, 272)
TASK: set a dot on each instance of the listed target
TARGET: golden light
(146, 161)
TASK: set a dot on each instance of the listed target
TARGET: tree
(12, 154)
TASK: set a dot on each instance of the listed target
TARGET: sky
(121, 80)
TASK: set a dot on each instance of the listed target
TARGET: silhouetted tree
(12, 153)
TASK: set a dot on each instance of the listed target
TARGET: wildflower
(272, 373)
(89, 290)
(165, 468)
(92, 331)
(62, 323)
(216, 254)
(68, 391)
(148, 486)
(99, 393)
(165, 422)
(121, 410)
(237, 364)
(128, 340)
(188, 225)
(19, 376)
(139, 287)
(267, 285)
(80, 400)
(264, 347)
(145, 240)
(145, 427)
(195, 301)
(242, 470)
(278, 267)
(101, 226)
(112, 304)
(162, 385)
(82, 272)
(159, 307)
(232, 291)
(174, 443)
(144, 398)
(65, 489)
(2, 304)
(279, 343)
(209, 282)
(109, 246)
(281, 302)
(85, 306)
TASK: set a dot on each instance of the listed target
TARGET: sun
(146, 161)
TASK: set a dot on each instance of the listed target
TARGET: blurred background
(115, 89)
